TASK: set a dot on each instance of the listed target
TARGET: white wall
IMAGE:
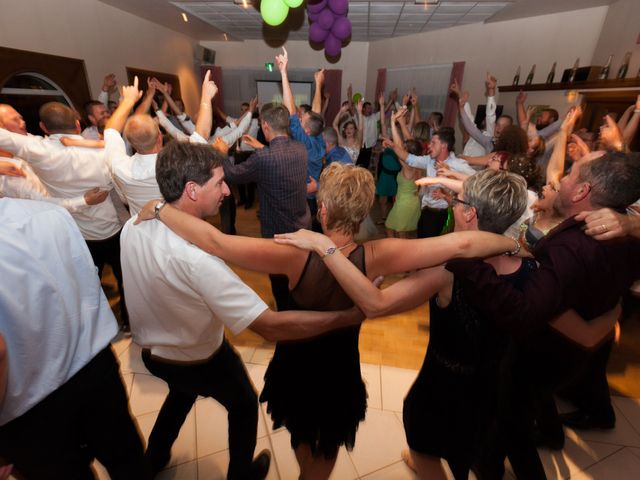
(620, 35)
(255, 53)
(107, 39)
(499, 47)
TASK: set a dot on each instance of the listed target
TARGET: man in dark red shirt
(576, 271)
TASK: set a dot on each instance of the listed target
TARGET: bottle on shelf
(552, 73)
(624, 68)
(574, 70)
(516, 79)
(529, 79)
(604, 75)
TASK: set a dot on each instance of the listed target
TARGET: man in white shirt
(64, 402)
(68, 172)
(181, 300)
(369, 135)
(18, 180)
(434, 210)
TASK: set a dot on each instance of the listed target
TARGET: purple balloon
(317, 33)
(326, 18)
(339, 7)
(332, 46)
(316, 7)
(341, 28)
(313, 17)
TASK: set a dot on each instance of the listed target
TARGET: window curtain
(430, 81)
(451, 107)
(333, 86)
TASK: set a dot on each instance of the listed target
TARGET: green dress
(405, 213)
(389, 166)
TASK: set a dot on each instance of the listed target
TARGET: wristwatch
(157, 208)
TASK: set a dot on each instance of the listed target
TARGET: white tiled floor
(201, 449)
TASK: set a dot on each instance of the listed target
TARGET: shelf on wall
(588, 85)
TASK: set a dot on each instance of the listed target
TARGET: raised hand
(209, 88)
(131, 93)
(393, 96)
(531, 110)
(359, 106)
(398, 114)
(582, 146)
(151, 87)
(109, 84)
(454, 89)
(387, 143)
(381, 99)
(610, 134)
(282, 61)
(521, 98)
(570, 119)
(464, 98)
(491, 82)
(319, 77)
(253, 104)
(95, 196)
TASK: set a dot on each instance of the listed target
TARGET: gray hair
(499, 197)
(330, 136)
(614, 180)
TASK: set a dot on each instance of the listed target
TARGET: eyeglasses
(455, 200)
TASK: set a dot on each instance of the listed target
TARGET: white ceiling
(371, 20)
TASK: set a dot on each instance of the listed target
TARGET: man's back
(53, 312)
(68, 172)
(280, 170)
(179, 297)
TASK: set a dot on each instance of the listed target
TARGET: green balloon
(273, 12)
(357, 97)
(293, 3)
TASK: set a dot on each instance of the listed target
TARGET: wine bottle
(516, 79)
(604, 75)
(552, 73)
(574, 70)
(624, 68)
(529, 79)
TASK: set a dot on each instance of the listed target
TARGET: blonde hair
(347, 193)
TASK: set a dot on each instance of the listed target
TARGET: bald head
(143, 134)
(56, 117)
(11, 120)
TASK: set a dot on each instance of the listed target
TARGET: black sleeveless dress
(314, 387)
(453, 399)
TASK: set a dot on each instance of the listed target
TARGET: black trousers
(222, 377)
(108, 251)
(431, 222)
(247, 191)
(313, 208)
(280, 291)
(86, 418)
(364, 157)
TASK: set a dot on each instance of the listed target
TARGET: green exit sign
(269, 66)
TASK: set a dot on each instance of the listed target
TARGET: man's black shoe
(584, 421)
(260, 465)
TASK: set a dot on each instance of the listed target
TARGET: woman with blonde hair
(314, 387)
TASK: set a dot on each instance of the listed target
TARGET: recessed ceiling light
(184, 17)
(225, 37)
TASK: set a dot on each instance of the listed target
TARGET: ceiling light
(225, 37)
(427, 2)
(244, 3)
(184, 17)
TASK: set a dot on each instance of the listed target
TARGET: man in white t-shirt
(181, 300)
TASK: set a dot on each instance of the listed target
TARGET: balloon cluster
(274, 12)
(329, 24)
